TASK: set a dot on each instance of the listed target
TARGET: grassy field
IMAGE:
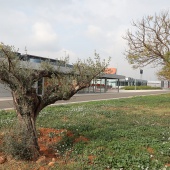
(124, 134)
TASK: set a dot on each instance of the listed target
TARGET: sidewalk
(5, 98)
(6, 103)
(122, 91)
(98, 93)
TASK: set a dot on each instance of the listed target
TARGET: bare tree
(149, 42)
(62, 84)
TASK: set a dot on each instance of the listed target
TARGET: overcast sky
(55, 28)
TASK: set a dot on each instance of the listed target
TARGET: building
(129, 81)
(161, 84)
(100, 84)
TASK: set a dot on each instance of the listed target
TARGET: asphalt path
(7, 103)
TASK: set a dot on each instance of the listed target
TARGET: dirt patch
(46, 137)
(167, 165)
(81, 139)
(91, 159)
(150, 150)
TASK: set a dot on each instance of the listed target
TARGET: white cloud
(43, 33)
(94, 31)
(48, 28)
(42, 39)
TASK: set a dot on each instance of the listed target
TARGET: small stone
(51, 163)
(41, 160)
(2, 134)
(53, 160)
(2, 159)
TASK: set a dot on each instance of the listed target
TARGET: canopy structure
(111, 76)
(104, 83)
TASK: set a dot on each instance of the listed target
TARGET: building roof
(112, 76)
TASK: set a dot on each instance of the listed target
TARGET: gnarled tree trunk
(28, 124)
(64, 82)
(27, 111)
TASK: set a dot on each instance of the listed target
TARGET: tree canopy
(149, 43)
(63, 82)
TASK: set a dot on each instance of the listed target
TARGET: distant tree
(63, 82)
(149, 43)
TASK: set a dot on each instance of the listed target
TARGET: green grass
(140, 88)
(119, 132)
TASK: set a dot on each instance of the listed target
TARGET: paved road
(7, 103)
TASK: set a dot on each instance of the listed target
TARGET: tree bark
(27, 124)
(27, 114)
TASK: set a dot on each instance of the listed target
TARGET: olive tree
(63, 82)
(149, 43)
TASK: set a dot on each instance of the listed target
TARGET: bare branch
(150, 42)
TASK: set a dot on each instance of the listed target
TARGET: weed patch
(17, 143)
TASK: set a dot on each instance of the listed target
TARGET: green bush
(16, 142)
(140, 88)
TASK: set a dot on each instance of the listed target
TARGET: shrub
(140, 88)
(16, 142)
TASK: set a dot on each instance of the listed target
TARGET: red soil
(47, 137)
(150, 150)
(45, 140)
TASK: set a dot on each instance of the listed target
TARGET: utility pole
(26, 50)
(141, 72)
